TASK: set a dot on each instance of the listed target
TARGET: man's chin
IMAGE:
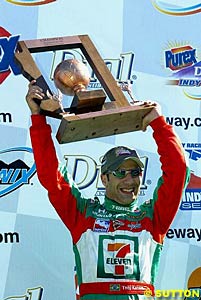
(127, 202)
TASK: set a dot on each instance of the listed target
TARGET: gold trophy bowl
(71, 76)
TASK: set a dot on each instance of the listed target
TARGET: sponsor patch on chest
(101, 225)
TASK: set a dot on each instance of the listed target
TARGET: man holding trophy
(117, 244)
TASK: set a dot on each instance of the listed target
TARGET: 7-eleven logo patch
(118, 257)
(122, 257)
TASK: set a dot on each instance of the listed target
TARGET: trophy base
(87, 101)
(99, 124)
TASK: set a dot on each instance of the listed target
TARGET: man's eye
(122, 172)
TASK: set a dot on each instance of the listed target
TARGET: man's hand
(152, 115)
(36, 92)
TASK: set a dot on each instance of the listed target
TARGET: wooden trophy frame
(113, 117)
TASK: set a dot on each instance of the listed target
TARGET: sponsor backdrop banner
(155, 46)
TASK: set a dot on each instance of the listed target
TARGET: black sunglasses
(120, 173)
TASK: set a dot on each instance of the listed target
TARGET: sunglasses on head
(121, 173)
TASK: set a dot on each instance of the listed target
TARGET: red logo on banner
(30, 2)
(5, 74)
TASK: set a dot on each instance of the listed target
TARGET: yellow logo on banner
(30, 2)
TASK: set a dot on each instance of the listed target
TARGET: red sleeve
(44, 152)
(63, 196)
(170, 187)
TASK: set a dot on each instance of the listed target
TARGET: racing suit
(117, 248)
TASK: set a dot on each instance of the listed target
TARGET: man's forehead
(128, 163)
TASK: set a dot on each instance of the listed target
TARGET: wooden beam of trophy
(89, 115)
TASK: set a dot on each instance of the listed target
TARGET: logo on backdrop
(184, 122)
(192, 196)
(31, 294)
(184, 233)
(121, 68)
(184, 64)
(30, 2)
(177, 8)
(8, 44)
(15, 173)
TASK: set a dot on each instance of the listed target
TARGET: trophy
(89, 115)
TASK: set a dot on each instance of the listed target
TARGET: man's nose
(129, 176)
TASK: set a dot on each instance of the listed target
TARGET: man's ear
(104, 179)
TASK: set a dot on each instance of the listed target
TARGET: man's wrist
(38, 119)
(157, 122)
(35, 113)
